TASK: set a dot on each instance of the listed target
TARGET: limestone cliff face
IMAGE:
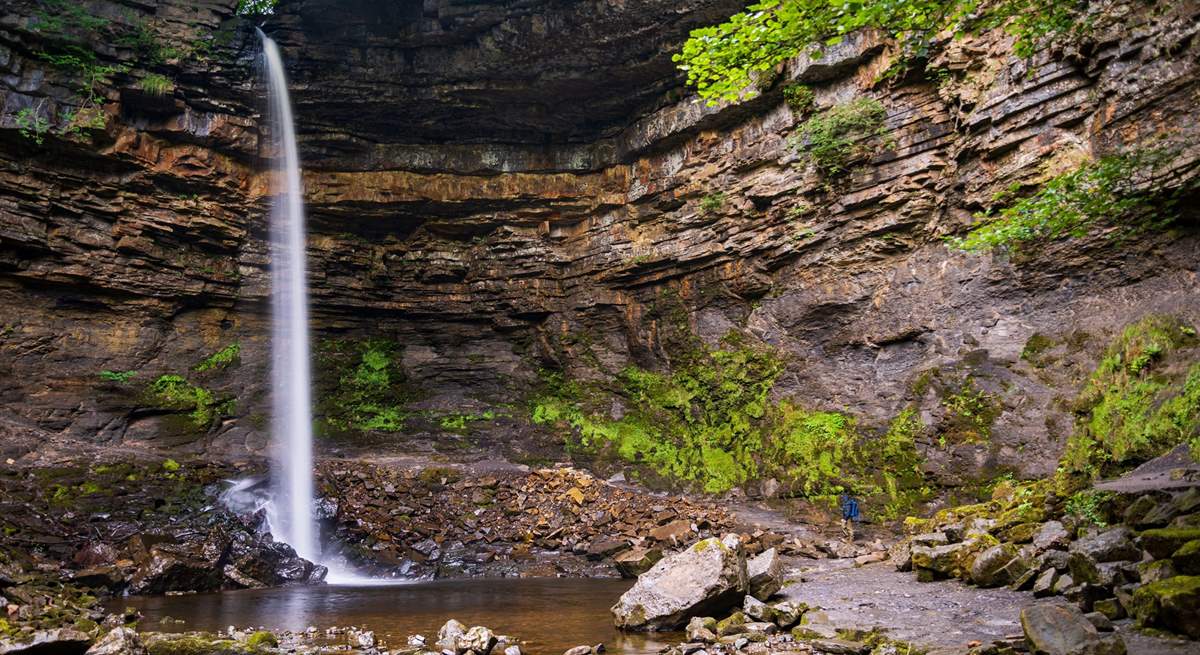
(496, 201)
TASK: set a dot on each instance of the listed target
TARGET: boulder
(765, 574)
(1138, 509)
(948, 561)
(760, 628)
(1099, 620)
(756, 609)
(1111, 608)
(119, 641)
(1187, 558)
(63, 641)
(673, 532)
(702, 629)
(1052, 629)
(1052, 535)
(901, 555)
(991, 568)
(734, 624)
(1113, 545)
(637, 561)
(1172, 604)
(1163, 542)
(787, 613)
(1155, 570)
(478, 640)
(601, 548)
(704, 579)
(1044, 585)
(449, 635)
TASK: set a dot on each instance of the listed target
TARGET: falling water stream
(291, 513)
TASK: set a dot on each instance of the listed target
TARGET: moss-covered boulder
(991, 568)
(1187, 558)
(194, 643)
(951, 560)
(1172, 604)
(1163, 542)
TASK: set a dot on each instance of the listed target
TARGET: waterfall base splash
(255, 496)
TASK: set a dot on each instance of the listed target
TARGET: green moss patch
(710, 424)
(362, 386)
(1172, 604)
(1142, 399)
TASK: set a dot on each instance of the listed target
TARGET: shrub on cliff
(841, 135)
(726, 62)
(1124, 188)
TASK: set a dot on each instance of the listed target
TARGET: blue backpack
(850, 509)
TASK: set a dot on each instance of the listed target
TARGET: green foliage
(841, 135)
(170, 466)
(710, 423)
(368, 391)
(1071, 203)
(726, 62)
(799, 98)
(120, 377)
(57, 17)
(155, 84)
(32, 125)
(818, 444)
(256, 7)
(174, 391)
(700, 424)
(971, 412)
(230, 355)
(1139, 402)
(460, 422)
(712, 202)
(1089, 506)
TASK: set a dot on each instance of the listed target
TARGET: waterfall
(291, 384)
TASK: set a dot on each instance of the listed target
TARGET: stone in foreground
(1172, 604)
(1053, 629)
(765, 574)
(64, 641)
(705, 579)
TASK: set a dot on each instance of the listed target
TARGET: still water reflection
(548, 615)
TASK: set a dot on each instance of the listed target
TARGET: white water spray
(291, 398)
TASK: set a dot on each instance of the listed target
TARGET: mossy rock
(1022, 533)
(1153, 571)
(262, 640)
(1187, 558)
(734, 624)
(1026, 513)
(194, 643)
(1163, 542)
(1172, 605)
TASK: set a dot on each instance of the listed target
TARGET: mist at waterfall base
(288, 502)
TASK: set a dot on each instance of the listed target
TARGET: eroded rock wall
(486, 259)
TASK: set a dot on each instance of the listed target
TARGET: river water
(548, 615)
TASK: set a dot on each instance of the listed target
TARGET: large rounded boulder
(705, 579)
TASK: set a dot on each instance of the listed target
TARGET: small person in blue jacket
(849, 516)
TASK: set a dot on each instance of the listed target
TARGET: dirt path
(942, 616)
